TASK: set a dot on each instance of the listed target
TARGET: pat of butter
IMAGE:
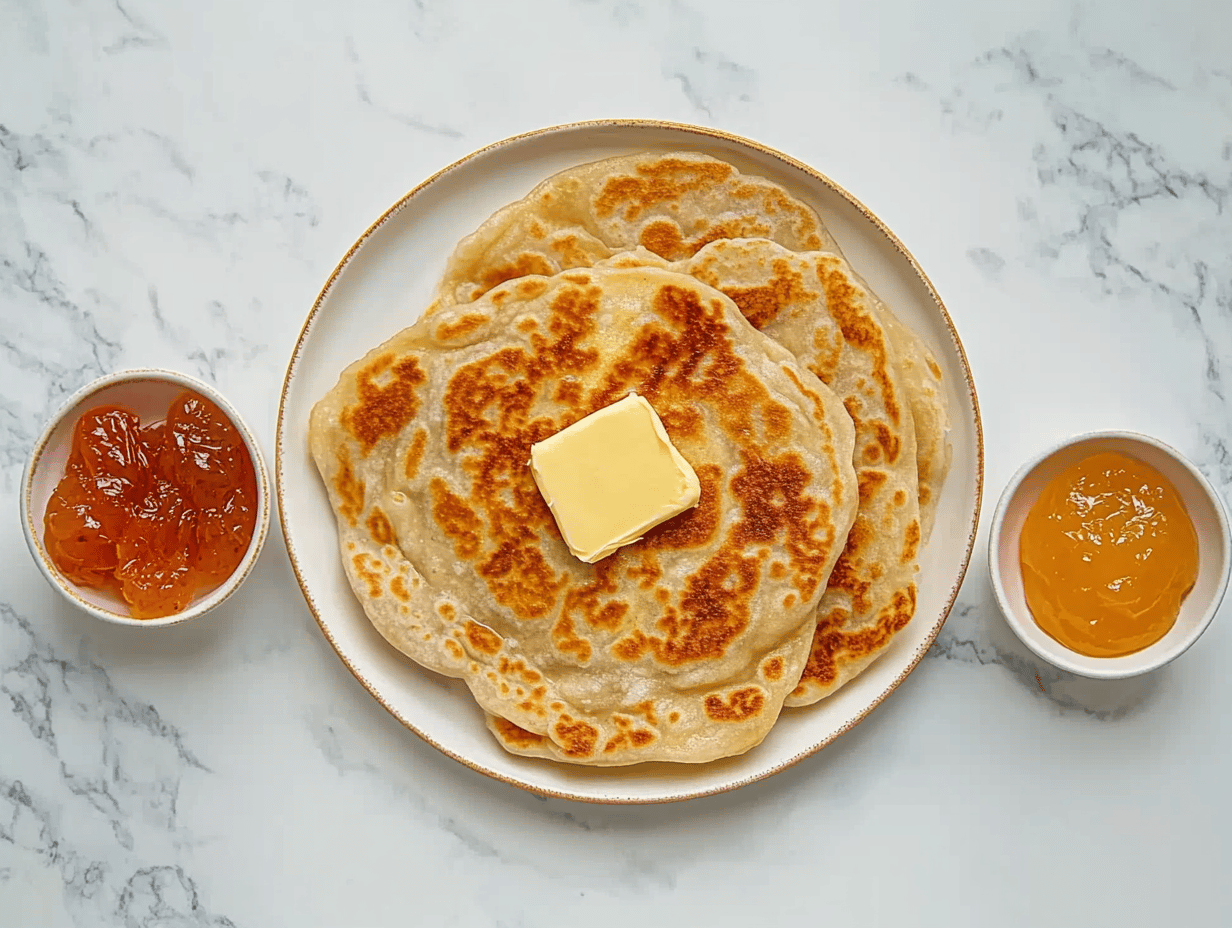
(611, 477)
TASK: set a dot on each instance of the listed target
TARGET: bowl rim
(30, 523)
(1055, 653)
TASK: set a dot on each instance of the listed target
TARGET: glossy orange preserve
(1108, 553)
(156, 512)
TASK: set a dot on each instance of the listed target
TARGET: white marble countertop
(177, 181)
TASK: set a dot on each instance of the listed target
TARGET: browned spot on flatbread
(414, 454)
(629, 737)
(447, 612)
(387, 401)
(833, 645)
(741, 227)
(350, 490)
(887, 443)
(609, 616)
(593, 602)
(454, 649)
(379, 528)
(846, 305)
(567, 641)
(371, 572)
(530, 289)
(682, 422)
(827, 353)
(870, 481)
(397, 586)
(520, 577)
(772, 669)
(571, 253)
(517, 667)
(776, 420)
(933, 368)
(482, 638)
(569, 392)
(534, 702)
(515, 736)
(457, 520)
(646, 708)
(846, 575)
(664, 239)
(911, 544)
(524, 265)
(739, 705)
(773, 494)
(576, 739)
(900, 498)
(467, 325)
(646, 570)
(661, 181)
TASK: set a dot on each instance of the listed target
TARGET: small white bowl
(148, 393)
(1214, 552)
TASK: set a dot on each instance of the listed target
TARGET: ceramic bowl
(148, 393)
(1214, 552)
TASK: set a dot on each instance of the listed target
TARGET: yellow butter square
(611, 477)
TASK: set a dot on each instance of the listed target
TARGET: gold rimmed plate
(384, 282)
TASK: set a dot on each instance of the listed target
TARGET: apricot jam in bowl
(1109, 554)
(145, 502)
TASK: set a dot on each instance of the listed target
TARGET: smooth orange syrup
(1108, 554)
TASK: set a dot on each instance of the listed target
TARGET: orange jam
(1108, 553)
(158, 512)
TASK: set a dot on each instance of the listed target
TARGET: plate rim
(631, 123)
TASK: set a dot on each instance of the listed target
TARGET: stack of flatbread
(814, 419)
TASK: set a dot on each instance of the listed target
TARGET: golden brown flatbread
(814, 305)
(672, 204)
(681, 646)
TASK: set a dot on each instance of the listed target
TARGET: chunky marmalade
(1108, 554)
(155, 513)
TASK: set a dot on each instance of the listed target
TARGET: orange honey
(1108, 554)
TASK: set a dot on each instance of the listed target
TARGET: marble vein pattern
(1119, 208)
(95, 800)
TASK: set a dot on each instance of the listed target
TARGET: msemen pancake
(671, 204)
(681, 646)
(815, 306)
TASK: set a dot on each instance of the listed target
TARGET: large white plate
(387, 278)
